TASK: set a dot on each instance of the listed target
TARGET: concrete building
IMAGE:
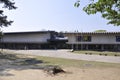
(94, 40)
(70, 40)
(33, 40)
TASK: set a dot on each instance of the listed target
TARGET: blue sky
(58, 15)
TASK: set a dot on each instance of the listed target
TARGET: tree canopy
(110, 9)
(100, 31)
(3, 18)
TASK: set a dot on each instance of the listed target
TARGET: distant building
(70, 40)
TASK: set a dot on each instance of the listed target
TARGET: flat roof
(92, 33)
(27, 32)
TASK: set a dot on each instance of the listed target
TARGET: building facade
(69, 40)
(94, 40)
(33, 40)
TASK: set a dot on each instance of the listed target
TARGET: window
(117, 38)
(83, 38)
(78, 38)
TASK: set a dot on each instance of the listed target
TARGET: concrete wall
(104, 39)
(42, 38)
(27, 38)
(95, 39)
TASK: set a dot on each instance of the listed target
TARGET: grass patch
(105, 53)
(76, 63)
(67, 62)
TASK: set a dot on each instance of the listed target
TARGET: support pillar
(102, 47)
(72, 46)
(86, 47)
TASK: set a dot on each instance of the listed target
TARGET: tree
(110, 9)
(3, 18)
(100, 31)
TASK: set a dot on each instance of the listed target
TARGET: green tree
(110, 9)
(100, 31)
(3, 18)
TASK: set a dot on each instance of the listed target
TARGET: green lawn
(76, 63)
(105, 53)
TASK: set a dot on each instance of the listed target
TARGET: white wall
(104, 39)
(42, 38)
(95, 39)
(33, 38)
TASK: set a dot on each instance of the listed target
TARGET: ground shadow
(11, 61)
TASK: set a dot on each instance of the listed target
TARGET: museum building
(102, 41)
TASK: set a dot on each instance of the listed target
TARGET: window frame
(83, 38)
(117, 38)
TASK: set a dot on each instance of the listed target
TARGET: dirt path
(73, 74)
(68, 55)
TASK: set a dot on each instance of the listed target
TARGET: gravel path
(68, 55)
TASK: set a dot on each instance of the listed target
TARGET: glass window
(83, 38)
(117, 38)
(78, 38)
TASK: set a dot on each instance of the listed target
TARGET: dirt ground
(22, 68)
(72, 74)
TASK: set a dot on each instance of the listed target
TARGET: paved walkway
(68, 55)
